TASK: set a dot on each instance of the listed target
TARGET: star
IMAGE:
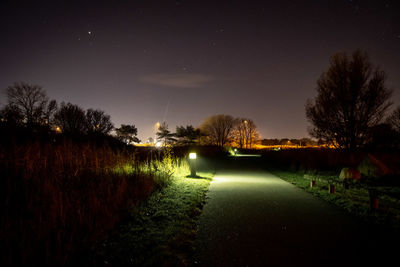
(89, 32)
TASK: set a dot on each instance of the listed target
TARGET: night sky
(181, 61)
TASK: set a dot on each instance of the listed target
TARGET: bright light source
(158, 144)
(192, 155)
(235, 150)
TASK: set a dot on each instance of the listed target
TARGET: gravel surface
(253, 218)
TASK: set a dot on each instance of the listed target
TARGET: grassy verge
(162, 229)
(355, 199)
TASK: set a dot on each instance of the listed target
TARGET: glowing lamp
(192, 164)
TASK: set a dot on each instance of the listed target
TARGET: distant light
(158, 144)
(235, 150)
(192, 155)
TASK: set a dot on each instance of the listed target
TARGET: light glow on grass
(165, 225)
(192, 155)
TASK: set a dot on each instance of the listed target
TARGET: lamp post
(192, 164)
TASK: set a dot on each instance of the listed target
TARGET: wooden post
(332, 189)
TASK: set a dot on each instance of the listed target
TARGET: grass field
(161, 231)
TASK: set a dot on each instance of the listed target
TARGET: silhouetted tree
(352, 98)
(98, 122)
(238, 132)
(71, 119)
(31, 102)
(50, 111)
(218, 129)
(187, 135)
(394, 119)
(127, 134)
(11, 116)
(245, 133)
(164, 135)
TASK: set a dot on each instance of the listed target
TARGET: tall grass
(57, 199)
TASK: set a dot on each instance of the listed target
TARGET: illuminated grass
(162, 230)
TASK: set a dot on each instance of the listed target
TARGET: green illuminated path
(253, 218)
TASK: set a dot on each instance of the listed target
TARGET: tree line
(219, 130)
(29, 107)
(349, 111)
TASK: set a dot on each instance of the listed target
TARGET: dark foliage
(352, 98)
(127, 134)
(71, 119)
(187, 135)
(98, 122)
(394, 119)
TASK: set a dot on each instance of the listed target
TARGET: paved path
(253, 218)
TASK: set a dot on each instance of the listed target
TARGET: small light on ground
(192, 155)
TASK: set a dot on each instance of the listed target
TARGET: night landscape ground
(253, 218)
(199, 133)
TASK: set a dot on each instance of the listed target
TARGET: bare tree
(394, 119)
(11, 116)
(98, 122)
(251, 133)
(71, 119)
(31, 102)
(238, 133)
(218, 129)
(352, 98)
